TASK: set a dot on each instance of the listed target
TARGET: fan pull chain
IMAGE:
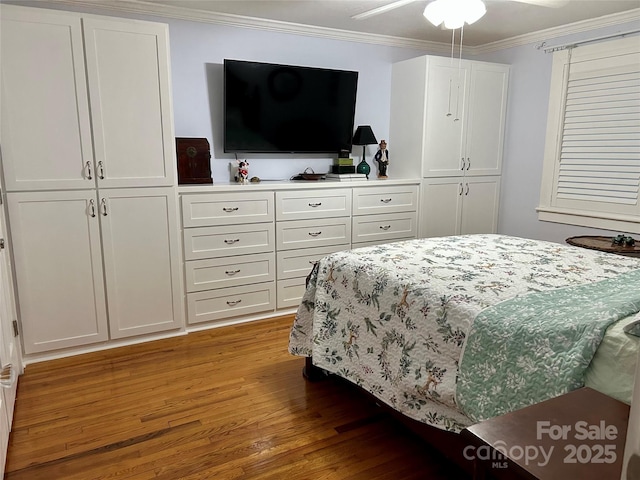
(453, 41)
(459, 70)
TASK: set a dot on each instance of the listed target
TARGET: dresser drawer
(394, 199)
(209, 242)
(379, 228)
(313, 233)
(298, 263)
(290, 292)
(302, 205)
(230, 302)
(210, 209)
(229, 271)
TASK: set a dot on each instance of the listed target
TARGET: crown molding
(561, 31)
(143, 7)
(204, 16)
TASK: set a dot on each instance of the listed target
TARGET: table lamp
(364, 136)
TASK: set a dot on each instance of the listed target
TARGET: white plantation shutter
(596, 144)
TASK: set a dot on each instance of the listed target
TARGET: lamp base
(363, 167)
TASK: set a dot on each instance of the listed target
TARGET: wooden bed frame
(449, 444)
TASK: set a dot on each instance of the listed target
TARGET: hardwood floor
(227, 403)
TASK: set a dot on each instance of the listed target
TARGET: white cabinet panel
(141, 258)
(203, 210)
(480, 206)
(128, 74)
(229, 271)
(385, 200)
(486, 119)
(290, 292)
(231, 302)
(56, 242)
(45, 126)
(379, 228)
(302, 205)
(229, 240)
(313, 233)
(298, 263)
(459, 206)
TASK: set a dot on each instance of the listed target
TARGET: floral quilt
(394, 318)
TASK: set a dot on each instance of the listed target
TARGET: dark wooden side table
(604, 244)
(580, 435)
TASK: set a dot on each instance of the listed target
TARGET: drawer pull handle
(232, 241)
(233, 303)
(230, 209)
(314, 205)
(232, 272)
(315, 234)
(385, 227)
(385, 200)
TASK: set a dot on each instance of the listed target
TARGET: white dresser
(249, 248)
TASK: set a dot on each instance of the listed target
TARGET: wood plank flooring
(227, 403)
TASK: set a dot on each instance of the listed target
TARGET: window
(591, 172)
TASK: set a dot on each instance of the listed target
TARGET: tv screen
(272, 108)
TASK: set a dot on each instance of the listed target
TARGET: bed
(450, 331)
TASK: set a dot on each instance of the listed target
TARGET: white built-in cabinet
(249, 249)
(447, 122)
(89, 167)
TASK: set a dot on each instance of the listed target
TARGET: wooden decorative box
(194, 160)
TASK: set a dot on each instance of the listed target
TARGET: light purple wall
(529, 87)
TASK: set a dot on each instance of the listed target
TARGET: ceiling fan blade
(382, 9)
(545, 3)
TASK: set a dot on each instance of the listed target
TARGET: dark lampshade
(364, 136)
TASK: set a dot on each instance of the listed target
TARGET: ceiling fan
(438, 11)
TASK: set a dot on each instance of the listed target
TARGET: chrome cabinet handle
(385, 200)
(103, 206)
(467, 192)
(100, 170)
(468, 163)
(232, 272)
(315, 234)
(230, 209)
(463, 164)
(385, 227)
(7, 376)
(233, 303)
(88, 166)
(232, 241)
(92, 208)
(461, 189)
(314, 205)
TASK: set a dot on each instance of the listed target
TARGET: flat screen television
(271, 108)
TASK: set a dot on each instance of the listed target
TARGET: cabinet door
(59, 276)
(441, 207)
(445, 113)
(480, 205)
(141, 258)
(44, 119)
(128, 73)
(486, 118)
(10, 361)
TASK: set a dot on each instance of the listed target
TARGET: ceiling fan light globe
(435, 12)
(454, 13)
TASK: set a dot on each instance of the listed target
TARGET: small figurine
(382, 158)
(243, 171)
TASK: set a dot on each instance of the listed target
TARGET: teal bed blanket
(537, 346)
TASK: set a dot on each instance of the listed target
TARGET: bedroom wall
(525, 136)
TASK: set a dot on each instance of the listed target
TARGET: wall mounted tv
(272, 108)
